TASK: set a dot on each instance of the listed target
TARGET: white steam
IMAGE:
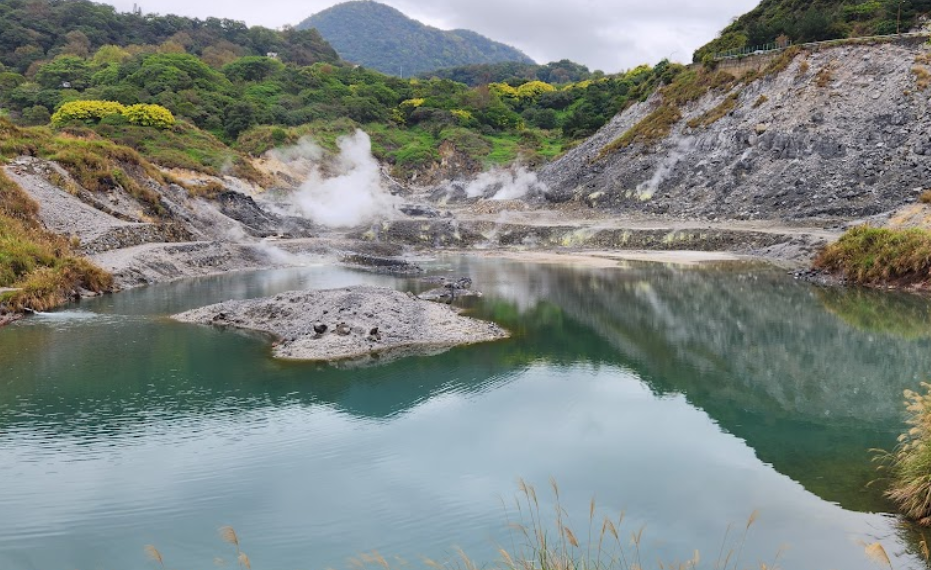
(646, 189)
(353, 194)
(505, 184)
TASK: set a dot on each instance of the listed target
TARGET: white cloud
(603, 34)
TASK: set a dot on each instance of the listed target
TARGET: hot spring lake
(686, 397)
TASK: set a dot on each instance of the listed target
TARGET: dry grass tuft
(760, 101)
(922, 78)
(716, 114)
(803, 68)
(825, 76)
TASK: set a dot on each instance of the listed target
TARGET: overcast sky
(611, 35)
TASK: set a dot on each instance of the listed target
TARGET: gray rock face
(854, 146)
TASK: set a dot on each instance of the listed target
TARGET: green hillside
(800, 21)
(513, 72)
(379, 37)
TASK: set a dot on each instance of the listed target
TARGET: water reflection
(618, 382)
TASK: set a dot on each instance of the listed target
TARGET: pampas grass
(542, 538)
(909, 465)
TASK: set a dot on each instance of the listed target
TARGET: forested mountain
(513, 72)
(815, 20)
(36, 30)
(378, 36)
(229, 95)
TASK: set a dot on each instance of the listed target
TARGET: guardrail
(774, 48)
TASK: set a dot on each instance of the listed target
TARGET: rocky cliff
(841, 132)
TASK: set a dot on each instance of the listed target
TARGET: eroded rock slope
(840, 133)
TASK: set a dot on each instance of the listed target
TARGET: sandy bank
(613, 258)
(359, 324)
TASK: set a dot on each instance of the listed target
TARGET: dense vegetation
(255, 102)
(557, 72)
(378, 36)
(776, 21)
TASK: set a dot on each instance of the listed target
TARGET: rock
(320, 328)
(397, 324)
(835, 140)
(419, 211)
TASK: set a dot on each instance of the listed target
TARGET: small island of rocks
(349, 324)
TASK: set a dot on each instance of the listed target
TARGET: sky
(610, 35)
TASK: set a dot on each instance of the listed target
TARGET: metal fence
(775, 48)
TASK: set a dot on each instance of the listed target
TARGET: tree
(252, 68)
(68, 71)
(239, 117)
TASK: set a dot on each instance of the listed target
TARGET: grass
(183, 146)
(909, 465)
(96, 164)
(762, 99)
(547, 539)
(41, 265)
(875, 256)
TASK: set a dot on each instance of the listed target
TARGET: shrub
(149, 116)
(106, 111)
(534, 89)
(36, 115)
(86, 111)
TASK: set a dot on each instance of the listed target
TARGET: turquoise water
(687, 398)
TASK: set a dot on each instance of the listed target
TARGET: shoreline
(609, 259)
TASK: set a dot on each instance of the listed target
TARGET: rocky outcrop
(361, 324)
(840, 133)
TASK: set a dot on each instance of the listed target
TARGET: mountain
(34, 31)
(379, 37)
(799, 22)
